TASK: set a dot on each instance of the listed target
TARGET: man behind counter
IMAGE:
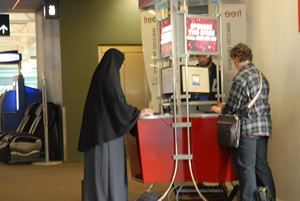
(206, 61)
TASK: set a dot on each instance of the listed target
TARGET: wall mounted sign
(4, 25)
(51, 9)
(10, 57)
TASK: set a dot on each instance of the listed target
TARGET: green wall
(83, 26)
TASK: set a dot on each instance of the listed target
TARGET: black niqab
(106, 115)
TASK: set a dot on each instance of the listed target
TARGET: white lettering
(201, 32)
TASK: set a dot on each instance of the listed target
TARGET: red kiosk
(152, 151)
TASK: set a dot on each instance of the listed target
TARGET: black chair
(27, 147)
(2, 97)
(27, 121)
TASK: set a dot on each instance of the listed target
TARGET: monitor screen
(167, 81)
(198, 80)
(165, 38)
(202, 34)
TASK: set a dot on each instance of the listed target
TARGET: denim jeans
(251, 163)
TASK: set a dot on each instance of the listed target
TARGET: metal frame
(174, 13)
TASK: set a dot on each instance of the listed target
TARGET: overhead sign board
(51, 9)
(4, 25)
(10, 57)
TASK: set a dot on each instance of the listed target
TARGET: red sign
(202, 34)
(165, 38)
(145, 3)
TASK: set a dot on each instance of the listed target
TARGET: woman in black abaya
(106, 119)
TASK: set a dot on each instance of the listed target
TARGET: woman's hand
(217, 108)
(146, 111)
(221, 104)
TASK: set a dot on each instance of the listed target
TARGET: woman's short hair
(242, 51)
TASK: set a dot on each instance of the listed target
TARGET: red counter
(151, 152)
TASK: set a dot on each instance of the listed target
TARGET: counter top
(161, 116)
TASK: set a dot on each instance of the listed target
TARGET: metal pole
(45, 116)
(173, 16)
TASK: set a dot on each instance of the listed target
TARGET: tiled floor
(57, 182)
(136, 188)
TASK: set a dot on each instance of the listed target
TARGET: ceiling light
(15, 4)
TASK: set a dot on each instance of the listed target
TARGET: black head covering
(106, 115)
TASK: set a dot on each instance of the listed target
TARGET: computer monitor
(198, 81)
(167, 81)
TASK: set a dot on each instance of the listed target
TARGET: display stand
(179, 50)
(45, 115)
(175, 52)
